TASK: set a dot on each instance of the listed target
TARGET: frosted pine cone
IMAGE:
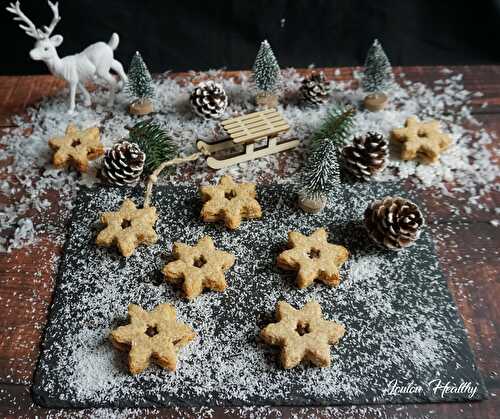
(366, 156)
(315, 89)
(394, 222)
(209, 99)
(123, 164)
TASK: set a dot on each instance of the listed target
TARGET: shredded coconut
(467, 172)
(399, 317)
(467, 167)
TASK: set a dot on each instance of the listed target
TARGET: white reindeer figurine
(96, 60)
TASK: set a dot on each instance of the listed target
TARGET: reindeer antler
(55, 20)
(29, 28)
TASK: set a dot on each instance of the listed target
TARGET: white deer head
(45, 46)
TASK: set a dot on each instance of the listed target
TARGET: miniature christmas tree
(266, 76)
(377, 78)
(140, 86)
(378, 75)
(321, 173)
(153, 140)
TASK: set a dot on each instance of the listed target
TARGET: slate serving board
(404, 336)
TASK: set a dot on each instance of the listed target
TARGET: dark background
(184, 35)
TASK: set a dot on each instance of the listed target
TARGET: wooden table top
(468, 253)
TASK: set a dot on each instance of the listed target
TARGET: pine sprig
(337, 125)
(140, 84)
(154, 141)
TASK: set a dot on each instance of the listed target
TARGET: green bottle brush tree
(140, 87)
(377, 78)
(266, 76)
(320, 176)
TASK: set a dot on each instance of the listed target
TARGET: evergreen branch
(336, 126)
(153, 140)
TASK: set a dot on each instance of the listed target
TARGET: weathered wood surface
(468, 255)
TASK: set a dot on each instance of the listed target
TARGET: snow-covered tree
(266, 71)
(140, 84)
(321, 172)
(378, 75)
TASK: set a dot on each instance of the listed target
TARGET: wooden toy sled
(245, 131)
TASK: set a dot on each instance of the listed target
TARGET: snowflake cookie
(128, 227)
(229, 201)
(199, 266)
(313, 257)
(76, 147)
(152, 334)
(302, 334)
(424, 138)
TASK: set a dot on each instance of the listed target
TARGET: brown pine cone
(315, 89)
(123, 164)
(366, 155)
(394, 222)
(209, 100)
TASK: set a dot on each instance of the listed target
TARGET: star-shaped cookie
(76, 147)
(128, 227)
(229, 201)
(199, 266)
(313, 257)
(302, 334)
(152, 334)
(424, 138)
